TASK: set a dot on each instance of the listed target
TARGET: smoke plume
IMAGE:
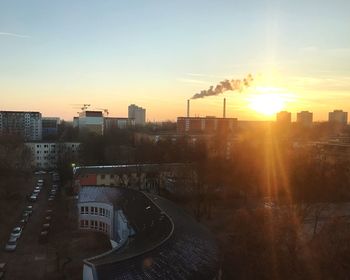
(225, 85)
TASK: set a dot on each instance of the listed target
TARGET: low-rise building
(205, 125)
(111, 123)
(46, 155)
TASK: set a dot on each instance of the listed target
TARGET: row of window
(95, 211)
(95, 225)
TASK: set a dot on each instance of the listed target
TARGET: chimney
(224, 109)
(188, 108)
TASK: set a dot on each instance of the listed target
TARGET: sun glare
(267, 103)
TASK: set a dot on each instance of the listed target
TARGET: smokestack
(224, 109)
(188, 108)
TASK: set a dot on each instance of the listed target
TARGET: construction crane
(104, 110)
(82, 107)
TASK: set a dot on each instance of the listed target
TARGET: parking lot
(29, 252)
(60, 255)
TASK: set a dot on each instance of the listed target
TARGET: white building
(91, 122)
(338, 116)
(137, 113)
(46, 155)
(99, 211)
(26, 124)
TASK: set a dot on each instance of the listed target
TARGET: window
(84, 223)
(102, 176)
(94, 211)
(93, 224)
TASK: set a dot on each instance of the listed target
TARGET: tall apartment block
(305, 118)
(25, 124)
(284, 117)
(338, 116)
(137, 113)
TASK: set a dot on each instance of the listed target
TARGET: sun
(267, 103)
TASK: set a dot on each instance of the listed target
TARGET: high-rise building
(137, 113)
(305, 118)
(284, 117)
(50, 127)
(338, 116)
(91, 122)
(26, 124)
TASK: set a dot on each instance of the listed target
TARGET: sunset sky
(157, 54)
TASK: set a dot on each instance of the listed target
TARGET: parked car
(22, 223)
(46, 226)
(33, 198)
(43, 237)
(29, 209)
(16, 232)
(11, 244)
(25, 217)
(3, 267)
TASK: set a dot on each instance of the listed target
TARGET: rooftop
(168, 243)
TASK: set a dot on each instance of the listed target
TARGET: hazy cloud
(13, 35)
(191, 81)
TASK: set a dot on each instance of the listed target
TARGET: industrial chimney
(188, 108)
(224, 109)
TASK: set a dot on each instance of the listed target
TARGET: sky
(158, 53)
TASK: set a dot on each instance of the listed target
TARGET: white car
(16, 232)
(11, 244)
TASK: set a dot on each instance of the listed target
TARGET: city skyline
(160, 54)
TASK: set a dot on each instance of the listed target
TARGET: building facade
(305, 118)
(25, 124)
(284, 117)
(338, 116)
(90, 122)
(137, 113)
(118, 123)
(205, 125)
(50, 127)
(46, 155)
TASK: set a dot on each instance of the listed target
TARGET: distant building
(137, 113)
(117, 123)
(205, 125)
(50, 127)
(76, 122)
(284, 117)
(338, 116)
(305, 118)
(46, 155)
(91, 122)
(25, 124)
